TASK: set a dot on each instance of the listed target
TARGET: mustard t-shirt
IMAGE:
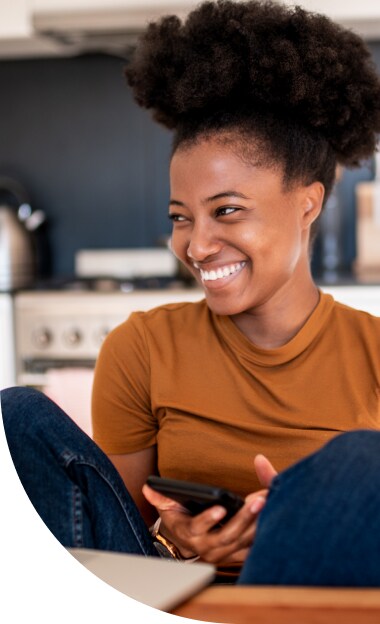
(188, 381)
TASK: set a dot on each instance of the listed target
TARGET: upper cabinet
(99, 25)
(66, 27)
(68, 5)
(17, 34)
(15, 18)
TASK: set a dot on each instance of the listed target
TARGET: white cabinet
(15, 18)
(102, 15)
(338, 9)
(7, 351)
(17, 35)
(80, 5)
(39, 27)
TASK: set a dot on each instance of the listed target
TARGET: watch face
(162, 550)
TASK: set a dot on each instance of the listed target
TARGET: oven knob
(73, 337)
(102, 334)
(42, 337)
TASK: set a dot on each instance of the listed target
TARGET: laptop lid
(159, 583)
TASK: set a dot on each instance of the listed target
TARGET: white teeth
(221, 272)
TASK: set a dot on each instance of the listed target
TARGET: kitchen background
(97, 166)
(89, 157)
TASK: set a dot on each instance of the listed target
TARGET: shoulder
(172, 315)
(159, 321)
(345, 311)
(356, 320)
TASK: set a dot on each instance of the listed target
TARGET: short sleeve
(121, 406)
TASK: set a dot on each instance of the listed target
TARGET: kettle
(17, 221)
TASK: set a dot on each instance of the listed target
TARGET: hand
(200, 535)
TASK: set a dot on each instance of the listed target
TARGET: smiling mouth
(221, 272)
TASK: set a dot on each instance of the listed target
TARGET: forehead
(209, 164)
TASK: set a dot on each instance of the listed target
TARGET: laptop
(159, 583)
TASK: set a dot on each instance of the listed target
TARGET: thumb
(264, 470)
(161, 502)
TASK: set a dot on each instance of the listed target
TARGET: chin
(223, 308)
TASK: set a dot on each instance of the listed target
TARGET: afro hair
(282, 71)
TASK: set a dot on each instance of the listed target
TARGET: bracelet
(165, 547)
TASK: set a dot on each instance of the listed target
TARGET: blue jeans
(72, 484)
(320, 525)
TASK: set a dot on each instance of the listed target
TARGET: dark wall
(87, 154)
(95, 162)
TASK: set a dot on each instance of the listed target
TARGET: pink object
(71, 389)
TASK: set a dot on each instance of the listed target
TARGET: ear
(311, 203)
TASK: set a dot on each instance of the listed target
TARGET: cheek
(179, 244)
(277, 243)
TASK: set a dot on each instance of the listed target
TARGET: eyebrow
(175, 202)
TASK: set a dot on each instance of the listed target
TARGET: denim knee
(19, 403)
(359, 444)
(26, 410)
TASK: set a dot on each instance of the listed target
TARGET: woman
(265, 102)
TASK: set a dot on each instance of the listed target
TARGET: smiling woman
(265, 101)
(245, 236)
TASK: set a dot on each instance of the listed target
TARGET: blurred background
(84, 185)
(88, 156)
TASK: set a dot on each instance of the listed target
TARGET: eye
(226, 210)
(176, 218)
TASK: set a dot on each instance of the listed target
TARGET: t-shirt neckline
(280, 355)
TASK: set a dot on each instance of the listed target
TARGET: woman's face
(239, 232)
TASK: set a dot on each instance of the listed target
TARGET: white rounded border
(42, 582)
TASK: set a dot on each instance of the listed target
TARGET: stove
(62, 323)
(104, 284)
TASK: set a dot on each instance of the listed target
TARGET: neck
(275, 322)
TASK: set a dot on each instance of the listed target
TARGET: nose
(202, 244)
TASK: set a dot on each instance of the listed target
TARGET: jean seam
(70, 457)
(77, 516)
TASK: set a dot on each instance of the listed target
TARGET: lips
(221, 272)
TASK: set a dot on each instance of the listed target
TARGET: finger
(159, 501)
(222, 552)
(242, 523)
(260, 494)
(231, 537)
(205, 521)
(235, 557)
(237, 534)
(264, 470)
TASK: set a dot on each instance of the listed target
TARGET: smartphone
(196, 497)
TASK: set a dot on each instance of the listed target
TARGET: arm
(123, 424)
(134, 468)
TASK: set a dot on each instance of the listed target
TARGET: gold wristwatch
(165, 547)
